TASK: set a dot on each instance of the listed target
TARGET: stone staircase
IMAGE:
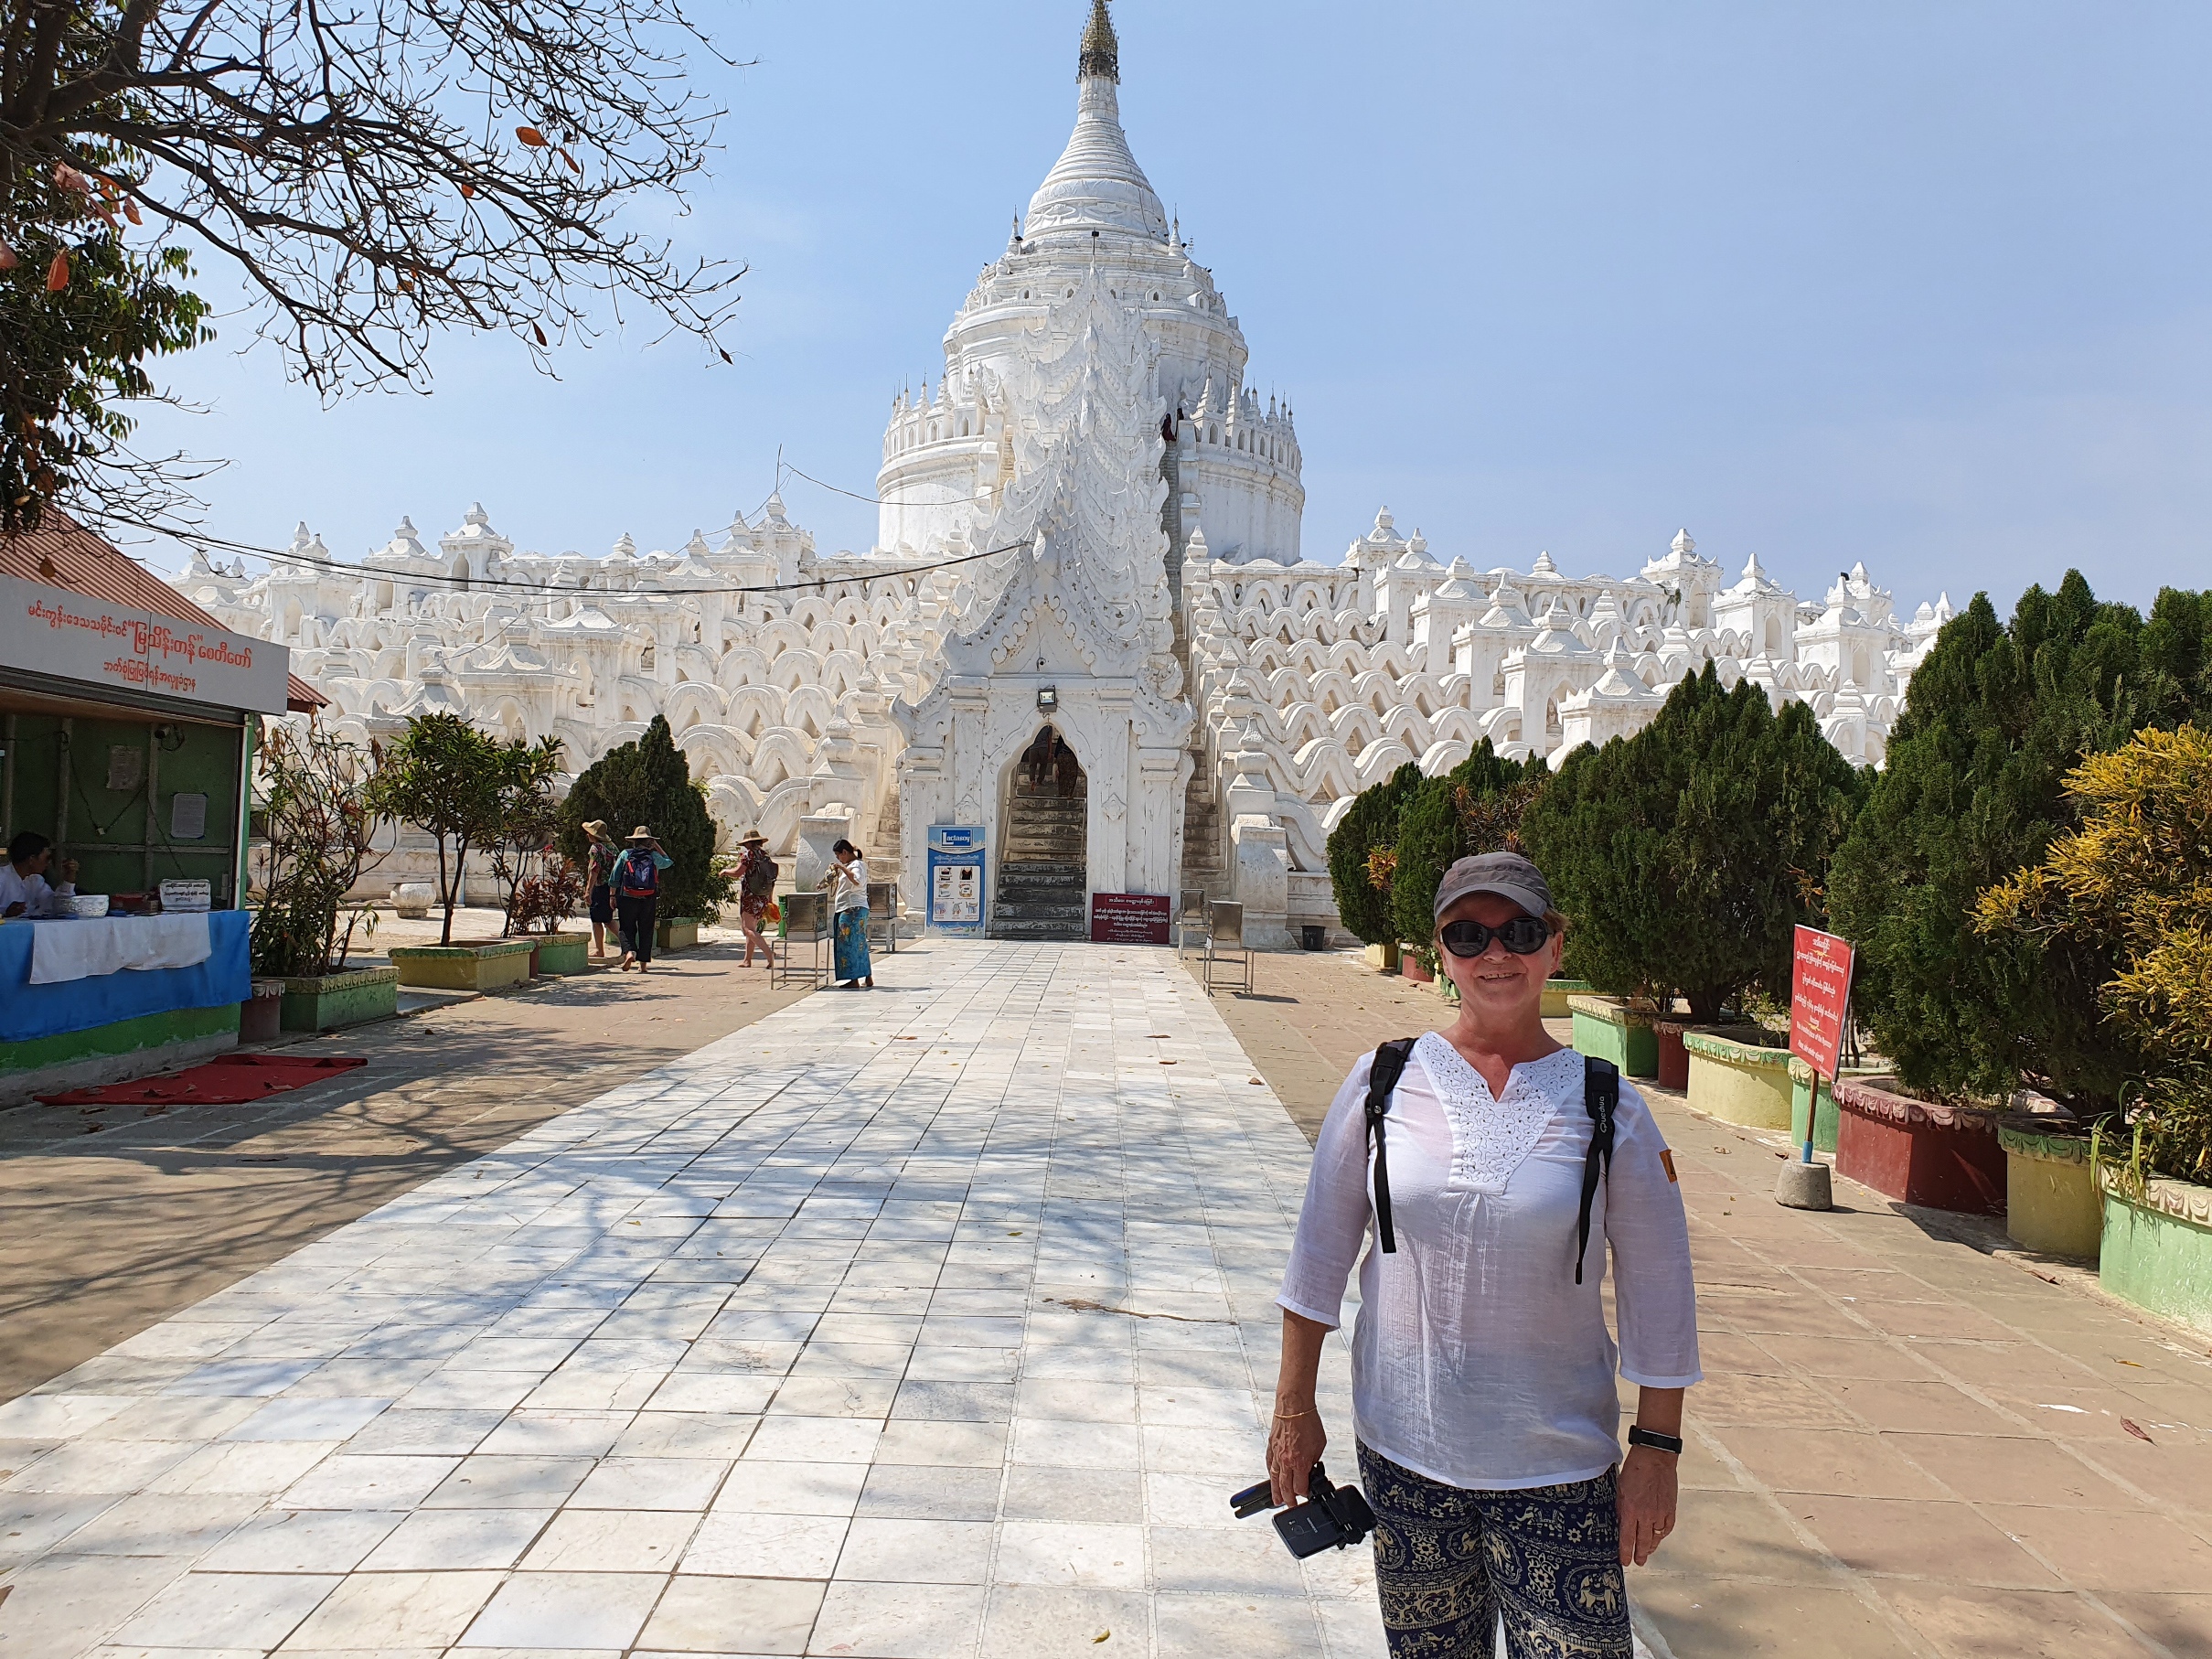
(1201, 853)
(1042, 871)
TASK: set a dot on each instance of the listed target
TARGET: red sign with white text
(1129, 918)
(1820, 999)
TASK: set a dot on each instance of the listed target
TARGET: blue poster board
(959, 895)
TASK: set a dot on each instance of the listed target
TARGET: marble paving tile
(815, 1339)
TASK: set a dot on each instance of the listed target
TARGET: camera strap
(1600, 1095)
(1600, 1099)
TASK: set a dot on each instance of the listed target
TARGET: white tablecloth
(88, 947)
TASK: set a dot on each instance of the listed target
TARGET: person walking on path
(847, 880)
(756, 875)
(636, 883)
(599, 873)
(1483, 1393)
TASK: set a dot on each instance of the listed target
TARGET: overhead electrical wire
(557, 590)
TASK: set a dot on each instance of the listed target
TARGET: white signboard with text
(103, 643)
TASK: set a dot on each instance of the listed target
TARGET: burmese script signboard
(106, 644)
(1129, 918)
(1820, 999)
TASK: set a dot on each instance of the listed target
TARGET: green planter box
(2052, 1201)
(561, 954)
(1738, 1081)
(463, 967)
(2157, 1249)
(1800, 1104)
(1609, 1029)
(327, 1001)
(158, 1040)
(1557, 991)
(678, 933)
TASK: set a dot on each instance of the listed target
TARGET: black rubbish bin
(1314, 936)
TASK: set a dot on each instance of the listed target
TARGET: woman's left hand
(1645, 1499)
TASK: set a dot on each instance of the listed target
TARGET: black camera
(1332, 1517)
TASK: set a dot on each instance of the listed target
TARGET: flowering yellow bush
(2136, 878)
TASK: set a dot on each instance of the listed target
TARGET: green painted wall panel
(123, 1037)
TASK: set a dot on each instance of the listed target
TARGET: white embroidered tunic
(1477, 1359)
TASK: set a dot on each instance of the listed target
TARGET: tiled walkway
(915, 1323)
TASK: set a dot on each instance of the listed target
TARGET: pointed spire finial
(1100, 58)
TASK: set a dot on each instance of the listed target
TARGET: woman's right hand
(1294, 1447)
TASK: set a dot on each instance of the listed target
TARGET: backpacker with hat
(637, 877)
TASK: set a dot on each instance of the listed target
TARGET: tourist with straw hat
(756, 875)
(599, 872)
(637, 884)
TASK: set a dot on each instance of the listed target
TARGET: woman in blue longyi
(847, 880)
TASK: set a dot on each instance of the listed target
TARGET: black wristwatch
(1640, 1436)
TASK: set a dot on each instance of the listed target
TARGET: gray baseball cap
(1507, 874)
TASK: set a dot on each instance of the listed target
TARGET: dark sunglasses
(1524, 936)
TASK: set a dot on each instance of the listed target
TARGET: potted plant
(540, 904)
(322, 805)
(523, 818)
(447, 777)
(2136, 877)
(1684, 858)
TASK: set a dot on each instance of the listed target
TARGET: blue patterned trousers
(1449, 1563)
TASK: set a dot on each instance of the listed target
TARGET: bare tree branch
(372, 171)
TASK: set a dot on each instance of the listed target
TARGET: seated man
(23, 886)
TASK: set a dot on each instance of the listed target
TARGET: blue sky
(1917, 283)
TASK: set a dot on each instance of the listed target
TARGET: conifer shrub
(1448, 819)
(647, 782)
(2136, 877)
(1686, 857)
(1369, 826)
(1974, 790)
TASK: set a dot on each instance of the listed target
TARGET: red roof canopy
(62, 553)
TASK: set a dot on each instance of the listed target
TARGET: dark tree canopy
(369, 173)
(1369, 825)
(1438, 826)
(647, 782)
(1975, 789)
(1686, 857)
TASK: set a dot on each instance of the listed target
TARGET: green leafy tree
(1687, 856)
(1438, 825)
(647, 782)
(1975, 789)
(528, 817)
(2136, 878)
(1370, 825)
(81, 312)
(319, 815)
(444, 777)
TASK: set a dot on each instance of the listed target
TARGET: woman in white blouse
(1484, 1400)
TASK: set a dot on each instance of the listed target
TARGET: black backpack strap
(1383, 1076)
(1600, 1095)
